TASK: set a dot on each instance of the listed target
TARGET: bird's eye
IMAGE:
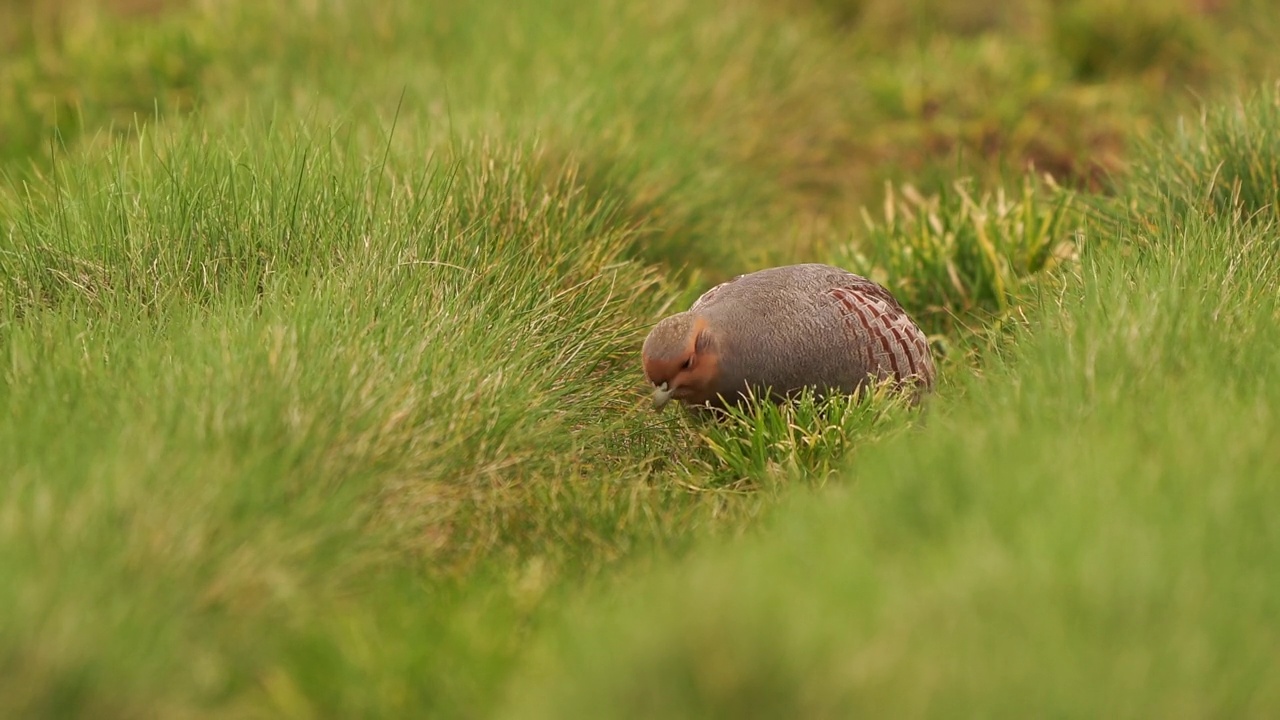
(687, 364)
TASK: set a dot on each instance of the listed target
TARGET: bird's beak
(661, 396)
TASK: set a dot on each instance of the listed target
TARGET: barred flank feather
(889, 340)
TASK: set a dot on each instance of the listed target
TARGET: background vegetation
(318, 358)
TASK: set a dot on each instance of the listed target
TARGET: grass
(1226, 163)
(294, 406)
(954, 256)
(318, 354)
(806, 439)
(1083, 532)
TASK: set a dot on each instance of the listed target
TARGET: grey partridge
(780, 330)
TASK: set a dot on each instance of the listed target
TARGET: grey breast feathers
(816, 323)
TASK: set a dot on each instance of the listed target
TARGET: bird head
(680, 360)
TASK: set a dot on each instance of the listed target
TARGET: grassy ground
(318, 353)
(1085, 531)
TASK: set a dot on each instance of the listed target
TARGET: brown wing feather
(889, 340)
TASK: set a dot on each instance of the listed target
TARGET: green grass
(955, 257)
(319, 331)
(1084, 532)
(263, 374)
(761, 443)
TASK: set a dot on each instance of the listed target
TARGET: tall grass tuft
(804, 439)
(1225, 162)
(958, 255)
(288, 378)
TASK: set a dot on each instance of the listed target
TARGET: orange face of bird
(679, 361)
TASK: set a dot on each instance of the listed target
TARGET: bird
(774, 332)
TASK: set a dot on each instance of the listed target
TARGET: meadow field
(320, 392)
